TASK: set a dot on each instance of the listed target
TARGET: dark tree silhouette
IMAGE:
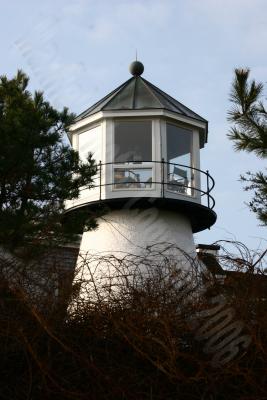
(38, 169)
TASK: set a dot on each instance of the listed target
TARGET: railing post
(162, 177)
(208, 188)
(100, 180)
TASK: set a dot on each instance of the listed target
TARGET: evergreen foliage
(249, 133)
(38, 169)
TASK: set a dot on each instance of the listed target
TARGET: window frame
(133, 164)
(192, 157)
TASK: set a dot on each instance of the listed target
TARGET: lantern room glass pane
(133, 141)
(132, 178)
(179, 155)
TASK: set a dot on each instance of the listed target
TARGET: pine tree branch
(249, 133)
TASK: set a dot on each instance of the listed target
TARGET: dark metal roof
(139, 94)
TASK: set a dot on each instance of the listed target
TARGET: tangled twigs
(127, 333)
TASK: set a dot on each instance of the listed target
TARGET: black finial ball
(136, 68)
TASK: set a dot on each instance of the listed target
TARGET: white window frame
(133, 165)
(193, 158)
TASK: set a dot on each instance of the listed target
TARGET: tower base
(131, 246)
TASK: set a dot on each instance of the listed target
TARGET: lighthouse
(147, 147)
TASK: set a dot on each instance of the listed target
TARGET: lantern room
(147, 147)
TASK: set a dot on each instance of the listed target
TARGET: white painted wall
(131, 231)
(90, 141)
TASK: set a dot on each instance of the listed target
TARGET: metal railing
(184, 185)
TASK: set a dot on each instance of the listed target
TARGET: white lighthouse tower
(147, 146)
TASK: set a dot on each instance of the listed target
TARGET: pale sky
(78, 51)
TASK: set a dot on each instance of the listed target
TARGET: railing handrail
(163, 183)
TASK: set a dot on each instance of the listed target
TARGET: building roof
(139, 94)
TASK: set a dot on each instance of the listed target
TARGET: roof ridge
(119, 90)
(112, 93)
(168, 98)
(151, 92)
(164, 95)
(134, 93)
